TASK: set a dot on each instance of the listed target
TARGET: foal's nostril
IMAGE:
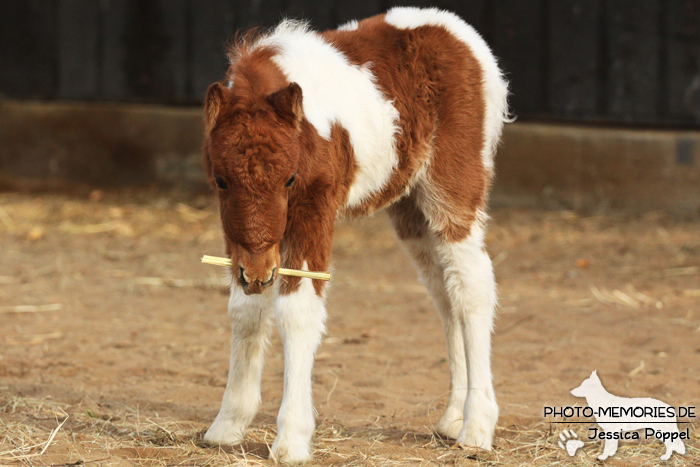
(272, 277)
(243, 281)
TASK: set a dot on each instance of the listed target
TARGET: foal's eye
(220, 182)
(290, 181)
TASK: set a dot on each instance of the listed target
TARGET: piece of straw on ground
(31, 308)
(225, 262)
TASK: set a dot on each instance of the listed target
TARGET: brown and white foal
(401, 111)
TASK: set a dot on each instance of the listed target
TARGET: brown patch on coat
(312, 210)
(407, 218)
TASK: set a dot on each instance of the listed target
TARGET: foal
(401, 111)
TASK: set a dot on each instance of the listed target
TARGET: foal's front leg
(301, 319)
(250, 325)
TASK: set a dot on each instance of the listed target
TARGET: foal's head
(251, 155)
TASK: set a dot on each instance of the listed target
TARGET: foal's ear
(212, 104)
(287, 103)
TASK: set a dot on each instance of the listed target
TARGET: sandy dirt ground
(114, 339)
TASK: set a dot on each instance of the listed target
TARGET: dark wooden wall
(608, 61)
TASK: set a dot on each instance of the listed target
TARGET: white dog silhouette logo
(617, 415)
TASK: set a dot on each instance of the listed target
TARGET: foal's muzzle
(254, 270)
(254, 284)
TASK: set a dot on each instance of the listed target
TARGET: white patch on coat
(349, 26)
(336, 91)
(495, 86)
(301, 320)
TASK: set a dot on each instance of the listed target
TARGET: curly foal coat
(402, 110)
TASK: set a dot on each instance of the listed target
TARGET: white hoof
(450, 425)
(480, 424)
(475, 436)
(225, 432)
(286, 452)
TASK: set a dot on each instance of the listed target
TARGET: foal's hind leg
(471, 289)
(411, 228)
